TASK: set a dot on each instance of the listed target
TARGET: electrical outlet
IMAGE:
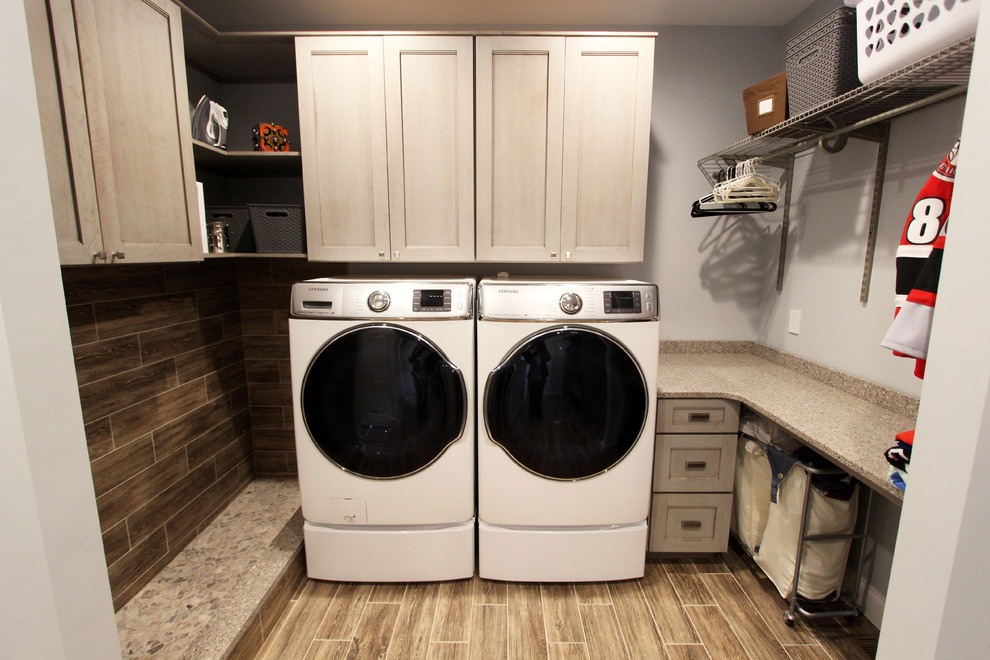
(794, 323)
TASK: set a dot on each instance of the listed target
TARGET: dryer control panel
(346, 298)
(525, 299)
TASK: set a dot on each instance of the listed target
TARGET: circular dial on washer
(570, 303)
(378, 301)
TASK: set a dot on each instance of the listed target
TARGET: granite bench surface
(198, 604)
(851, 431)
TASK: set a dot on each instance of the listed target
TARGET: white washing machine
(383, 396)
(567, 373)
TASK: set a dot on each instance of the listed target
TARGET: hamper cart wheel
(789, 619)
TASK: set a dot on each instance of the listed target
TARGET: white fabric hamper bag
(751, 494)
(751, 487)
(823, 564)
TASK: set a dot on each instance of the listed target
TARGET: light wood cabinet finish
(697, 416)
(429, 105)
(563, 139)
(121, 71)
(341, 82)
(55, 57)
(693, 472)
(608, 94)
(386, 128)
(685, 463)
(520, 126)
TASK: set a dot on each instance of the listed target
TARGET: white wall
(827, 247)
(939, 583)
(55, 600)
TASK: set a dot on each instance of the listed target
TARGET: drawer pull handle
(696, 465)
(699, 417)
(690, 524)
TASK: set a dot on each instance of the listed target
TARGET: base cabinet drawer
(685, 463)
(690, 522)
(697, 416)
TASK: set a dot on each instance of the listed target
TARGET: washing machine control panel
(562, 300)
(431, 300)
(353, 298)
(623, 302)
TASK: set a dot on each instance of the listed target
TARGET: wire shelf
(932, 79)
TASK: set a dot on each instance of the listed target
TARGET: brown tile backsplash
(100, 359)
(185, 386)
(163, 388)
(125, 317)
(265, 287)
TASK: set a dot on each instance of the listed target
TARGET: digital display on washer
(622, 302)
(432, 300)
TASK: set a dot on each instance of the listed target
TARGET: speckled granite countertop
(198, 603)
(810, 401)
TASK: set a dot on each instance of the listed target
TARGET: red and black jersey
(919, 263)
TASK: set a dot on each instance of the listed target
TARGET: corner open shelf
(935, 78)
(246, 162)
(864, 113)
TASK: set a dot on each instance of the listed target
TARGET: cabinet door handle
(699, 417)
(690, 524)
(381, 253)
(100, 255)
(116, 255)
(695, 465)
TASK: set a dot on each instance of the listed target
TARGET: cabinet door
(607, 101)
(519, 127)
(429, 99)
(341, 82)
(133, 73)
(62, 104)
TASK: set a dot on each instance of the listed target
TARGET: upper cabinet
(386, 127)
(519, 133)
(126, 147)
(563, 138)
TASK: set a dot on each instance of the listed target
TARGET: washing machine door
(567, 403)
(382, 401)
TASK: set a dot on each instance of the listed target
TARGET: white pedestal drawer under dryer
(567, 374)
(383, 397)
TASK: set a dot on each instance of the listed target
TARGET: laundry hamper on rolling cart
(809, 532)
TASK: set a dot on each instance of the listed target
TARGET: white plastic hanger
(745, 184)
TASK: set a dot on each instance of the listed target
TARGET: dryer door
(382, 401)
(566, 403)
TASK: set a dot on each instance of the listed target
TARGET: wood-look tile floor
(699, 608)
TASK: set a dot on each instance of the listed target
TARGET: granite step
(222, 593)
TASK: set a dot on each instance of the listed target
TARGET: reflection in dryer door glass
(383, 402)
(567, 404)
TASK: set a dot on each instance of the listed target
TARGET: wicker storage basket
(278, 229)
(821, 61)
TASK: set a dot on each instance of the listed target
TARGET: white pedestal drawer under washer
(567, 374)
(383, 398)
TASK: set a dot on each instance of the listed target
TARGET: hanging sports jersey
(919, 263)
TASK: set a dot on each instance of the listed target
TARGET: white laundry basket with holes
(891, 34)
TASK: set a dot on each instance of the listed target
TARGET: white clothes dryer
(383, 397)
(567, 374)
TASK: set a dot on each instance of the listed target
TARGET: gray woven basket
(278, 229)
(821, 62)
(238, 226)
